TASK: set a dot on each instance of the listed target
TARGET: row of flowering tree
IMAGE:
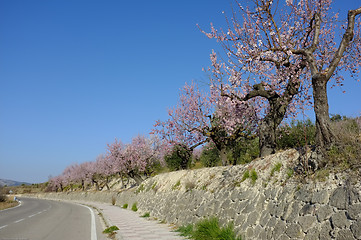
(279, 57)
(135, 160)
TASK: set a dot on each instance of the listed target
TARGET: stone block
(245, 195)
(279, 229)
(249, 233)
(338, 198)
(324, 212)
(283, 237)
(264, 218)
(252, 218)
(239, 220)
(307, 209)
(312, 234)
(294, 213)
(306, 222)
(249, 207)
(320, 197)
(356, 229)
(294, 230)
(303, 195)
(325, 233)
(340, 220)
(344, 234)
(354, 211)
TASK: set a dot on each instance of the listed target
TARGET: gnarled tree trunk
(324, 133)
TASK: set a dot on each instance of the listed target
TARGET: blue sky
(75, 74)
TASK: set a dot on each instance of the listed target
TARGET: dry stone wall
(272, 207)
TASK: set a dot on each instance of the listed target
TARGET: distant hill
(5, 182)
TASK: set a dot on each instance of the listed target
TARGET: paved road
(49, 220)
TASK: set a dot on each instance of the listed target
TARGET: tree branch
(346, 39)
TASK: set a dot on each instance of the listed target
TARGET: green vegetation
(176, 186)
(276, 168)
(140, 189)
(208, 229)
(111, 231)
(210, 156)
(179, 158)
(125, 206)
(146, 215)
(245, 175)
(289, 172)
(253, 176)
(134, 207)
(297, 134)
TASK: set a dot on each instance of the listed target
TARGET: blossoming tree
(201, 117)
(276, 51)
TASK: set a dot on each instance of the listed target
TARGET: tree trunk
(136, 176)
(267, 137)
(223, 155)
(324, 133)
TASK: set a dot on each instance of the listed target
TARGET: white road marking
(19, 220)
(93, 231)
(3, 226)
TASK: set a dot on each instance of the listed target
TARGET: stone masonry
(273, 206)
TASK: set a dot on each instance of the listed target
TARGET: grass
(146, 215)
(176, 186)
(245, 175)
(8, 204)
(125, 206)
(134, 207)
(208, 229)
(111, 231)
(254, 176)
(276, 168)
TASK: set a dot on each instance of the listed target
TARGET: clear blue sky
(75, 74)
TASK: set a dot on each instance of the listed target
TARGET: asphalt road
(38, 219)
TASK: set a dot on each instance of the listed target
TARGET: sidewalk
(132, 226)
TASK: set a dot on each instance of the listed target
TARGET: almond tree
(134, 159)
(200, 117)
(276, 50)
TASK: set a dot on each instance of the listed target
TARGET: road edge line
(93, 232)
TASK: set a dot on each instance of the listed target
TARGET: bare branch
(346, 39)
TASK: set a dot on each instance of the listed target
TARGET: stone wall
(274, 206)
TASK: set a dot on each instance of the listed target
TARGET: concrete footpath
(132, 226)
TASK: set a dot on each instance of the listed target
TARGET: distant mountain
(5, 182)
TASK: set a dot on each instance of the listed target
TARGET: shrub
(347, 150)
(245, 151)
(125, 206)
(179, 158)
(297, 134)
(209, 229)
(2, 195)
(134, 207)
(146, 215)
(210, 156)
